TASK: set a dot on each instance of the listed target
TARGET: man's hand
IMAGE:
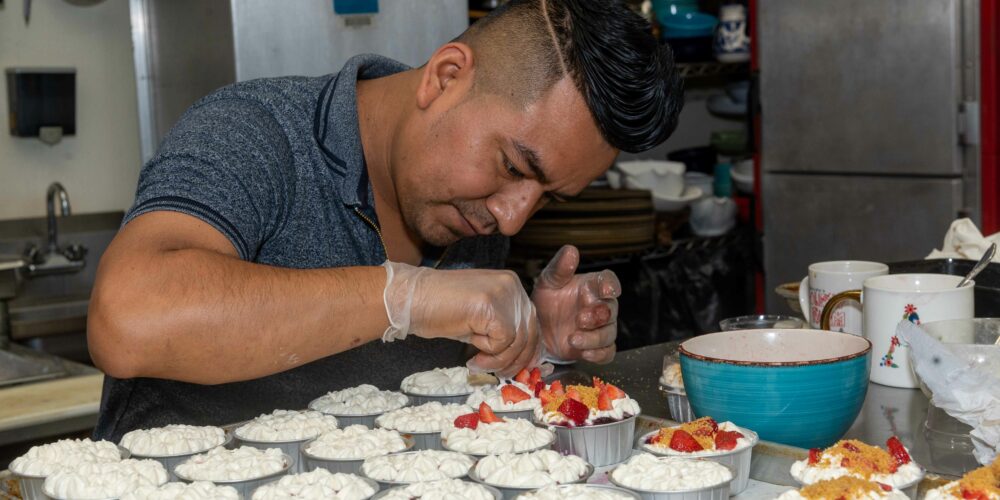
(485, 308)
(578, 313)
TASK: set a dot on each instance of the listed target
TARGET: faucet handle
(75, 252)
(32, 255)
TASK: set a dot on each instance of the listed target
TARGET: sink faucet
(55, 189)
(55, 260)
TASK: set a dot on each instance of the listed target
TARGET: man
(279, 231)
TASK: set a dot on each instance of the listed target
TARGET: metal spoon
(983, 261)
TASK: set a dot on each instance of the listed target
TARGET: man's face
(478, 164)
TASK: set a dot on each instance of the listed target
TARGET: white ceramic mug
(826, 279)
(889, 299)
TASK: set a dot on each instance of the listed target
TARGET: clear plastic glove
(578, 313)
(488, 309)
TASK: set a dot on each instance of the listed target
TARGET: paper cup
(171, 461)
(289, 448)
(514, 491)
(419, 399)
(600, 445)
(246, 487)
(33, 487)
(385, 484)
(677, 403)
(738, 461)
(348, 466)
(715, 492)
(547, 445)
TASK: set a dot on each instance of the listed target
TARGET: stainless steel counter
(887, 411)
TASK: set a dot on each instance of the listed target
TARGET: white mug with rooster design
(912, 297)
(826, 279)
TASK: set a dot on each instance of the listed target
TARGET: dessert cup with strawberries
(846, 488)
(980, 484)
(723, 443)
(482, 433)
(851, 457)
(515, 399)
(594, 422)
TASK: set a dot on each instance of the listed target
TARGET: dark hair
(629, 81)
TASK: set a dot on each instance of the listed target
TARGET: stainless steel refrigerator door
(862, 86)
(814, 218)
(307, 38)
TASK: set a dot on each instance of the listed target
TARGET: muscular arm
(173, 300)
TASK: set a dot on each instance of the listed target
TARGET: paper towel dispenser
(41, 102)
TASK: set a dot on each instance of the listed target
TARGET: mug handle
(835, 301)
(804, 300)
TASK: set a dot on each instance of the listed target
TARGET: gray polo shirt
(276, 165)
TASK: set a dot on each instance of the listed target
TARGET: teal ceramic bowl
(798, 387)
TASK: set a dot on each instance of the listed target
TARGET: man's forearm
(200, 316)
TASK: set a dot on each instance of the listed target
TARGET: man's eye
(512, 170)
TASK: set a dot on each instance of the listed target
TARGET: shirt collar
(336, 129)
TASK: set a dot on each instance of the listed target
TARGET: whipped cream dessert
(428, 417)
(286, 425)
(241, 464)
(855, 458)
(198, 490)
(846, 488)
(581, 405)
(412, 467)
(981, 484)
(356, 442)
(364, 399)
(671, 376)
(699, 438)
(510, 436)
(319, 484)
(173, 440)
(438, 382)
(445, 489)
(531, 470)
(494, 396)
(104, 480)
(575, 492)
(652, 473)
(66, 453)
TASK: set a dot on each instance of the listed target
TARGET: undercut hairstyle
(629, 81)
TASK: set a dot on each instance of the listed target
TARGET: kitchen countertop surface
(887, 410)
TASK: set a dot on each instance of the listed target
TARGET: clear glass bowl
(761, 322)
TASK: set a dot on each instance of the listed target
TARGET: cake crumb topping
(843, 487)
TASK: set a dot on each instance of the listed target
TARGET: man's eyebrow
(531, 158)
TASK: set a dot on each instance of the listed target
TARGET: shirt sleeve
(227, 162)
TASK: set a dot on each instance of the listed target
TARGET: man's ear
(450, 69)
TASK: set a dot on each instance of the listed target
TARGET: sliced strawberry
(539, 386)
(597, 382)
(814, 454)
(603, 401)
(467, 421)
(511, 394)
(557, 388)
(851, 447)
(726, 440)
(845, 463)
(574, 410)
(534, 377)
(614, 392)
(684, 442)
(486, 414)
(523, 376)
(974, 495)
(546, 396)
(885, 487)
(572, 393)
(898, 451)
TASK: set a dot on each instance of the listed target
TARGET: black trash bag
(684, 290)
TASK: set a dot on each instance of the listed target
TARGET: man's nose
(513, 206)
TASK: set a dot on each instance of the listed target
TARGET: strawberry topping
(727, 440)
(523, 376)
(684, 442)
(539, 386)
(603, 402)
(486, 414)
(898, 451)
(467, 421)
(574, 410)
(814, 454)
(534, 377)
(511, 394)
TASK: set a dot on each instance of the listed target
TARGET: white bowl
(665, 178)
(713, 216)
(742, 175)
(674, 204)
